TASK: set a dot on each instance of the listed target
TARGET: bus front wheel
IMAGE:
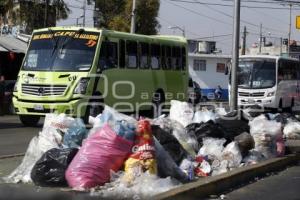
(29, 120)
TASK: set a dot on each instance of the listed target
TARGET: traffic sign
(297, 22)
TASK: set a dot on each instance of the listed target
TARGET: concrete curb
(12, 156)
(292, 146)
(224, 182)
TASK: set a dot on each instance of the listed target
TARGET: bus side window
(183, 54)
(163, 57)
(168, 57)
(122, 53)
(155, 55)
(131, 54)
(144, 55)
(108, 55)
(176, 58)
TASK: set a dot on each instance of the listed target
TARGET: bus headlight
(81, 86)
(271, 94)
(16, 85)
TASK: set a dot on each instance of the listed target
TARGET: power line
(220, 12)
(230, 5)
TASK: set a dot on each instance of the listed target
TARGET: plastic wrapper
(181, 112)
(109, 116)
(100, 153)
(143, 187)
(204, 116)
(59, 122)
(203, 130)
(47, 139)
(202, 167)
(170, 144)
(253, 157)
(187, 166)
(232, 154)
(190, 144)
(166, 166)
(212, 148)
(75, 134)
(265, 134)
(50, 169)
(292, 131)
(143, 158)
(245, 142)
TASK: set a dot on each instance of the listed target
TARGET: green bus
(77, 70)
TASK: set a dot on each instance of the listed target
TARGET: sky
(211, 20)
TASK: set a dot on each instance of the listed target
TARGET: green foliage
(116, 15)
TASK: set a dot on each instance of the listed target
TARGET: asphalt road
(284, 185)
(14, 137)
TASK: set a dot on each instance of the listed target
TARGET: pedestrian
(218, 93)
(2, 91)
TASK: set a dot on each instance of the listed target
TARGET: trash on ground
(50, 169)
(100, 153)
(292, 131)
(204, 116)
(245, 142)
(181, 112)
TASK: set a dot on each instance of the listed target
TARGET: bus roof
(167, 38)
(268, 57)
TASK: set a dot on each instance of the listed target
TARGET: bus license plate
(38, 107)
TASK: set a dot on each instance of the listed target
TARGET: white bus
(268, 81)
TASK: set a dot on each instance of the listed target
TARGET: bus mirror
(227, 68)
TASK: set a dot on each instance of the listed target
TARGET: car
(194, 92)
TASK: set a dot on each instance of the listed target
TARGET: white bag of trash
(204, 116)
(181, 112)
(58, 122)
(232, 153)
(47, 139)
(212, 147)
(265, 134)
(292, 131)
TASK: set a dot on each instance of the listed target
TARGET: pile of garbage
(120, 155)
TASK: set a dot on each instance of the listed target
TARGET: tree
(116, 15)
(34, 13)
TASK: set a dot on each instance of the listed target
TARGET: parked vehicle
(268, 81)
(75, 70)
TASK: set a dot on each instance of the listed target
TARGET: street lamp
(179, 28)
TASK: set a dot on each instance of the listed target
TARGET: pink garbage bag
(101, 152)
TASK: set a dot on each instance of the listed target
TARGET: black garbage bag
(170, 144)
(50, 169)
(207, 129)
(245, 142)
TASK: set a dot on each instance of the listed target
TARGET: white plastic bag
(232, 154)
(48, 138)
(204, 116)
(265, 134)
(181, 112)
(292, 130)
(58, 122)
(212, 148)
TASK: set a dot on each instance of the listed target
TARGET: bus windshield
(61, 51)
(256, 74)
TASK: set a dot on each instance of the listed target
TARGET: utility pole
(260, 38)
(84, 9)
(281, 41)
(132, 29)
(244, 41)
(235, 56)
(46, 13)
(290, 27)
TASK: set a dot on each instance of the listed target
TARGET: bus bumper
(74, 108)
(267, 102)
